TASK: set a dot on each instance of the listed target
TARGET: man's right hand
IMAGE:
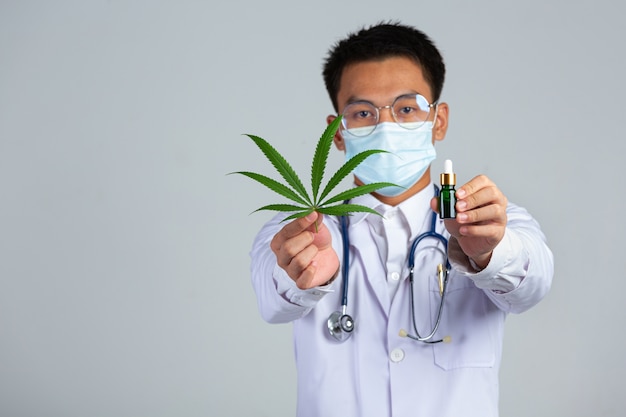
(306, 255)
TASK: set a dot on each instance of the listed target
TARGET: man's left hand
(480, 218)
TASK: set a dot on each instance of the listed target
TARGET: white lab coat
(378, 373)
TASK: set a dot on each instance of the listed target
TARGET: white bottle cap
(447, 177)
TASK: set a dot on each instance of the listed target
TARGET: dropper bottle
(447, 195)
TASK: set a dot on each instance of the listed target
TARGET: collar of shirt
(415, 210)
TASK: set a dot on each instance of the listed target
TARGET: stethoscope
(341, 324)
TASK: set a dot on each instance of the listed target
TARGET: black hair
(380, 41)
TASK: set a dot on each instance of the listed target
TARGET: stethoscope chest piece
(340, 325)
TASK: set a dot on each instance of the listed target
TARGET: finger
(301, 262)
(492, 213)
(292, 229)
(301, 224)
(286, 250)
(471, 187)
(306, 278)
(481, 197)
(492, 234)
(434, 204)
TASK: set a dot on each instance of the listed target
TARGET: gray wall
(124, 285)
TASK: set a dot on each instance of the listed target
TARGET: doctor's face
(380, 83)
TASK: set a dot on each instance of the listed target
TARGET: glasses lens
(360, 117)
(411, 111)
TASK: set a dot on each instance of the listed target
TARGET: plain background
(124, 284)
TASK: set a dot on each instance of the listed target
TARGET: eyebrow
(356, 99)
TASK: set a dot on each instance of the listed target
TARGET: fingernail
(311, 216)
(460, 193)
(461, 217)
(461, 205)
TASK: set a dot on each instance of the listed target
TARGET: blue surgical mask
(410, 155)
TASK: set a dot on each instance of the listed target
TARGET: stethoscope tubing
(444, 241)
(333, 321)
(346, 260)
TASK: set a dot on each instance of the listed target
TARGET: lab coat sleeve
(519, 273)
(278, 298)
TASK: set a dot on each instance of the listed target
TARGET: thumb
(434, 204)
(321, 235)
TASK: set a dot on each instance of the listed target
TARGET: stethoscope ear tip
(402, 333)
(447, 339)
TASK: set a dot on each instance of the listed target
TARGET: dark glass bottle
(447, 195)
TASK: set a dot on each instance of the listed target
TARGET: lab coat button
(395, 276)
(396, 355)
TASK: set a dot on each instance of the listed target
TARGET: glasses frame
(393, 113)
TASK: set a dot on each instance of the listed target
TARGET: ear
(440, 125)
(338, 139)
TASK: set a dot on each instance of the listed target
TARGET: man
(386, 82)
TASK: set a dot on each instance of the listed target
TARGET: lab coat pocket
(469, 321)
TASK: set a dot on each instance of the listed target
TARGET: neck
(410, 192)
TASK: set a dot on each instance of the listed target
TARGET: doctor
(500, 261)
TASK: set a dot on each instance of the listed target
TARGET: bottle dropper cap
(448, 177)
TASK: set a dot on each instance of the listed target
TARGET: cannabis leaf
(297, 193)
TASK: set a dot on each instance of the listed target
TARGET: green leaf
(346, 169)
(296, 192)
(321, 156)
(357, 191)
(281, 165)
(301, 214)
(274, 186)
(283, 207)
(345, 209)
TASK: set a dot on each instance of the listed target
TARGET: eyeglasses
(409, 111)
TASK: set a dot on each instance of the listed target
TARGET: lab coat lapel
(374, 274)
